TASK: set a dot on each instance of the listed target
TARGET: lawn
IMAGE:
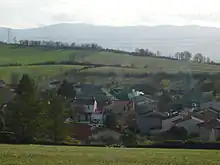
(38, 72)
(50, 155)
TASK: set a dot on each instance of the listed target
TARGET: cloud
(62, 17)
(212, 17)
(29, 13)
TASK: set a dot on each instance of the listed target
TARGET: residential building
(134, 94)
(88, 112)
(209, 130)
(190, 123)
(2, 84)
(211, 105)
(169, 122)
(88, 88)
(149, 121)
(55, 84)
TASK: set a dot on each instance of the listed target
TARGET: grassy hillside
(51, 155)
(27, 55)
(140, 65)
(151, 64)
(40, 73)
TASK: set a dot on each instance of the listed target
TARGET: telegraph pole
(9, 32)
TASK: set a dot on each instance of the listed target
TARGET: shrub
(128, 139)
(70, 140)
(7, 137)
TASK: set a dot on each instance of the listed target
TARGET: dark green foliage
(53, 116)
(110, 121)
(30, 115)
(23, 109)
(164, 101)
(175, 133)
(15, 78)
(67, 90)
(128, 138)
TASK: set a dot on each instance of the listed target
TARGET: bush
(7, 137)
(148, 142)
(70, 140)
(129, 139)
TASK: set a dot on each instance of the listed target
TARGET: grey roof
(142, 100)
(156, 114)
(212, 104)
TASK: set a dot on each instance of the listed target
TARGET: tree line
(182, 56)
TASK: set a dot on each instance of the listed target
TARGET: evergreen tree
(54, 116)
(67, 90)
(23, 110)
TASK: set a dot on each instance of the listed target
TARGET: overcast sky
(33, 13)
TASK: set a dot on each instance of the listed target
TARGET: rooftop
(215, 123)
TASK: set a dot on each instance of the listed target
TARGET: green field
(48, 155)
(38, 72)
(28, 55)
(10, 54)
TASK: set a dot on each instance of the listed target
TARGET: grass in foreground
(51, 155)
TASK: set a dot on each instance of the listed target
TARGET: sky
(35, 13)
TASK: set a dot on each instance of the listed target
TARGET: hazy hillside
(166, 39)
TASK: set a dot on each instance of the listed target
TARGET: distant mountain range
(166, 39)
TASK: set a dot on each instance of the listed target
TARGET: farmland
(37, 72)
(127, 64)
(51, 155)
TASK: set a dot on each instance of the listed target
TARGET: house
(145, 88)
(149, 121)
(169, 122)
(121, 109)
(140, 100)
(190, 123)
(209, 130)
(54, 84)
(134, 94)
(6, 95)
(143, 105)
(2, 84)
(118, 107)
(88, 88)
(176, 94)
(211, 105)
(88, 112)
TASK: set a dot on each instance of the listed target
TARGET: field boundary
(172, 145)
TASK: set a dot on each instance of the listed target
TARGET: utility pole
(9, 35)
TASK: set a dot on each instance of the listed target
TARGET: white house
(134, 94)
(88, 113)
